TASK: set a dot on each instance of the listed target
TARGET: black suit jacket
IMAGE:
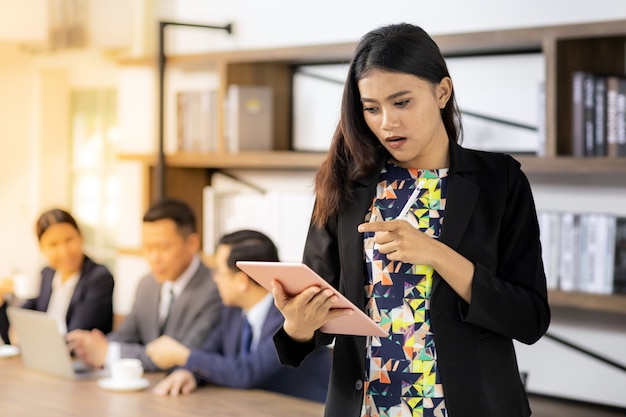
(91, 305)
(490, 219)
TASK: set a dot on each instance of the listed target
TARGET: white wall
(282, 22)
(13, 25)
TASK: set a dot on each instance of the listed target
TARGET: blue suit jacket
(218, 361)
(91, 305)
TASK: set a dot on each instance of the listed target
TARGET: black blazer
(91, 305)
(490, 219)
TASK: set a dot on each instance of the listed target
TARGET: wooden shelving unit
(615, 303)
(596, 47)
(312, 160)
(286, 160)
(568, 165)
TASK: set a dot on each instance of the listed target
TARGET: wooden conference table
(27, 393)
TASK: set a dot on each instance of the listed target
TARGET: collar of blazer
(81, 285)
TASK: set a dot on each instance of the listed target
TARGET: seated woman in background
(75, 290)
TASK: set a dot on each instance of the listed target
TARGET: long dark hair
(53, 216)
(355, 151)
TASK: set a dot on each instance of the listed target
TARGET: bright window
(95, 188)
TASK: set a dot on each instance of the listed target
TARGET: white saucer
(112, 385)
(8, 351)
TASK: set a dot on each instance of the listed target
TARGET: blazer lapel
(182, 303)
(272, 322)
(351, 240)
(461, 199)
(351, 253)
(46, 289)
(463, 195)
(80, 287)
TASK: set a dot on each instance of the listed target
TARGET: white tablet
(295, 278)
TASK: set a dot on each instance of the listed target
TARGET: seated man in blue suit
(228, 357)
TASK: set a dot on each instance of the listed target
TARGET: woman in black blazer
(437, 243)
(74, 289)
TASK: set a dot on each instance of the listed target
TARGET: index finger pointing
(386, 226)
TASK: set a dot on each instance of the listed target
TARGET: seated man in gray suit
(240, 352)
(178, 300)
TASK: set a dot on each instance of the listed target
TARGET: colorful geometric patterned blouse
(402, 368)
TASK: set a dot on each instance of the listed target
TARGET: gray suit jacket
(194, 313)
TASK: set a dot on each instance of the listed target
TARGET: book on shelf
(612, 87)
(568, 246)
(196, 121)
(620, 121)
(598, 114)
(619, 282)
(589, 104)
(583, 251)
(550, 228)
(249, 112)
(578, 114)
(597, 241)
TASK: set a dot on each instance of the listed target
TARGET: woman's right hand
(306, 312)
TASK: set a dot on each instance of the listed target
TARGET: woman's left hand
(306, 312)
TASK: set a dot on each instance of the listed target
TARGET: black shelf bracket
(585, 352)
(159, 174)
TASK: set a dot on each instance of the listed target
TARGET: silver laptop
(43, 348)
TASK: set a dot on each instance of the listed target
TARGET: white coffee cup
(26, 286)
(126, 370)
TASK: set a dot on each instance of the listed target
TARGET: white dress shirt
(256, 317)
(60, 299)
